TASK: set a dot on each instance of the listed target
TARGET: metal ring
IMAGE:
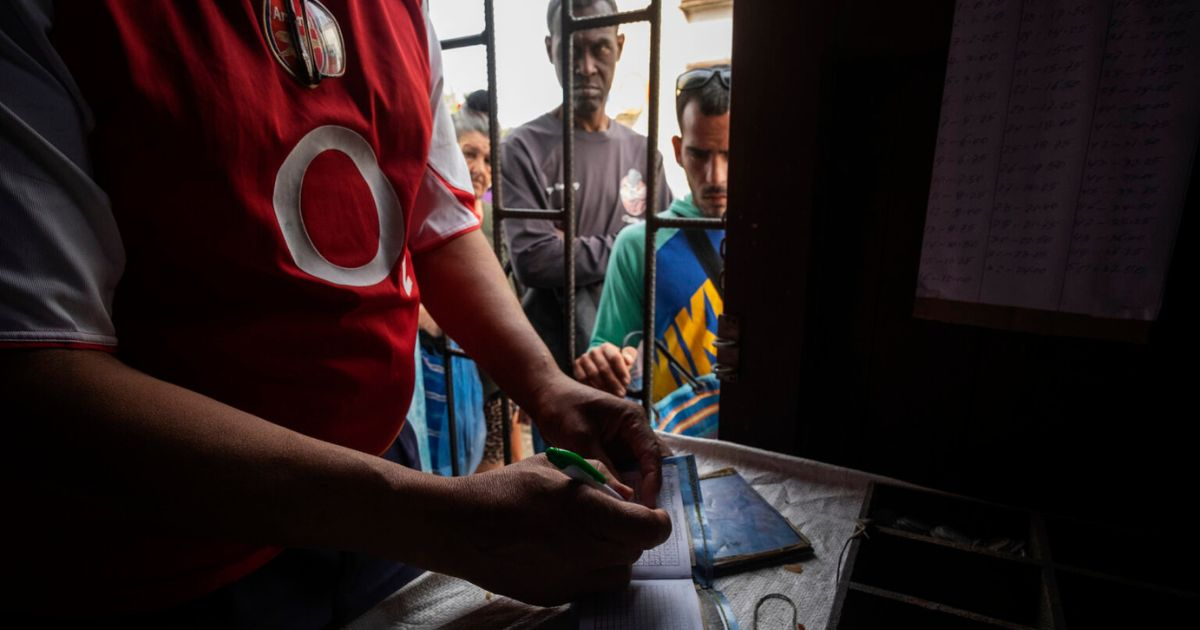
(780, 597)
(725, 373)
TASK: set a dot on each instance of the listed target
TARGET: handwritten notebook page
(1066, 140)
(671, 559)
(646, 605)
(661, 594)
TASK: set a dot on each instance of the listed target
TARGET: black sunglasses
(698, 78)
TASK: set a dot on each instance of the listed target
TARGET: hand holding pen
(538, 536)
(580, 470)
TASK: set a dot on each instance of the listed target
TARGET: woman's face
(477, 149)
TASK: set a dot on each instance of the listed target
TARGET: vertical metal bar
(447, 368)
(567, 40)
(489, 34)
(448, 379)
(569, 219)
(506, 428)
(651, 267)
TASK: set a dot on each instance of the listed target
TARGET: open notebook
(671, 587)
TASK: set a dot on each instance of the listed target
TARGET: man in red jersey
(214, 219)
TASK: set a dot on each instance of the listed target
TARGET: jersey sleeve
(445, 203)
(620, 310)
(60, 251)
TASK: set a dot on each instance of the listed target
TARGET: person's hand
(530, 532)
(606, 368)
(596, 424)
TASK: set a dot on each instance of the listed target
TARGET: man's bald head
(554, 20)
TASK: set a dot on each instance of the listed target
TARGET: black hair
(473, 115)
(553, 20)
(712, 97)
(478, 101)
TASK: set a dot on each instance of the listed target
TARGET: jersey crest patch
(304, 38)
(633, 193)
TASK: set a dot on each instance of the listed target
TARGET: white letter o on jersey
(288, 183)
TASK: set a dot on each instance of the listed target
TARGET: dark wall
(836, 107)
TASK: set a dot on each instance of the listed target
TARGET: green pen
(580, 470)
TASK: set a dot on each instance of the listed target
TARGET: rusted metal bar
(653, 222)
(648, 14)
(465, 41)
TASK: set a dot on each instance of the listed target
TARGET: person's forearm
(464, 288)
(539, 262)
(99, 431)
(89, 434)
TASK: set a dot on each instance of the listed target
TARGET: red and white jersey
(226, 226)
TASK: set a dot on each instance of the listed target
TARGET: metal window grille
(567, 215)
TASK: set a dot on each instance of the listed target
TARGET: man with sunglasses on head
(214, 218)
(688, 295)
(610, 184)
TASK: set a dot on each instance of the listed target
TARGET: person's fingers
(650, 485)
(644, 447)
(598, 459)
(597, 372)
(616, 363)
(629, 353)
(579, 373)
(612, 478)
(590, 370)
(623, 522)
(607, 381)
(595, 450)
(649, 451)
